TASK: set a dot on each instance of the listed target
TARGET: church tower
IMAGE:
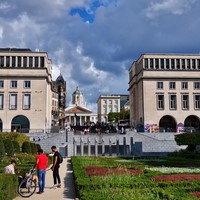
(77, 97)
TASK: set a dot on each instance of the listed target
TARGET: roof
(15, 50)
(77, 91)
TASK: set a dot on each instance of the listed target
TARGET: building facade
(77, 114)
(25, 90)
(107, 104)
(165, 92)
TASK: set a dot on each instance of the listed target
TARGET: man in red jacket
(41, 164)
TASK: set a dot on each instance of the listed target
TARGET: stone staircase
(57, 139)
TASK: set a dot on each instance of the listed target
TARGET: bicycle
(27, 186)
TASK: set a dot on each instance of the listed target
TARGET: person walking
(41, 164)
(55, 168)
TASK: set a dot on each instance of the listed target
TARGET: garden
(15, 146)
(175, 177)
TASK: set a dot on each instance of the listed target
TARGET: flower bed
(103, 171)
(176, 177)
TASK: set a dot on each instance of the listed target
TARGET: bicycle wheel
(27, 188)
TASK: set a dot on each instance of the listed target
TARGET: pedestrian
(55, 168)
(10, 169)
(41, 164)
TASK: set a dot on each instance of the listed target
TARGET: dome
(77, 91)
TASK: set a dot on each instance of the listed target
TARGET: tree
(9, 148)
(124, 114)
(113, 117)
(2, 149)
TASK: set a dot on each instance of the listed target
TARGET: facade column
(39, 66)
(148, 63)
(164, 63)
(154, 63)
(175, 64)
(4, 61)
(89, 147)
(103, 147)
(96, 147)
(22, 61)
(170, 64)
(74, 147)
(159, 63)
(16, 61)
(10, 61)
(180, 61)
(82, 146)
(27, 61)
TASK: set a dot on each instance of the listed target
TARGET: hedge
(2, 149)
(9, 148)
(8, 186)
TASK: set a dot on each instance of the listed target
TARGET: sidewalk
(67, 190)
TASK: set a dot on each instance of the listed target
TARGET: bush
(2, 149)
(19, 137)
(8, 186)
(16, 146)
(26, 147)
(9, 148)
(33, 148)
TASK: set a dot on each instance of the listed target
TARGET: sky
(93, 43)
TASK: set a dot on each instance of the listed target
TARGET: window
(184, 85)
(185, 102)
(160, 102)
(1, 61)
(7, 61)
(196, 85)
(19, 61)
(1, 84)
(197, 102)
(41, 61)
(13, 61)
(13, 84)
(104, 110)
(109, 109)
(13, 101)
(172, 102)
(115, 109)
(110, 101)
(1, 101)
(27, 101)
(172, 85)
(27, 84)
(104, 101)
(30, 61)
(25, 61)
(36, 62)
(116, 101)
(159, 85)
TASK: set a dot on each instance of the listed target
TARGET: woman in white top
(10, 169)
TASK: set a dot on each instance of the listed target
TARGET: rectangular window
(110, 101)
(167, 63)
(13, 84)
(197, 102)
(160, 102)
(27, 101)
(110, 109)
(19, 61)
(104, 110)
(115, 109)
(30, 61)
(172, 102)
(184, 85)
(196, 85)
(172, 85)
(7, 61)
(27, 84)
(104, 101)
(160, 85)
(185, 102)
(1, 84)
(13, 61)
(1, 101)
(24, 61)
(172, 64)
(36, 62)
(41, 61)
(13, 101)
(116, 101)
(2, 61)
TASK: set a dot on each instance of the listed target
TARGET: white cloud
(1, 32)
(175, 7)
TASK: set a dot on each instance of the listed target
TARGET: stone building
(77, 113)
(165, 92)
(25, 90)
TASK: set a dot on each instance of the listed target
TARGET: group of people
(41, 165)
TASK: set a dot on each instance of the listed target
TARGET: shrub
(2, 148)
(26, 147)
(19, 137)
(33, 148)
(16, 146)
(9, 148)
(8, 186)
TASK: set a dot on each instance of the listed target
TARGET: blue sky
(93, 43)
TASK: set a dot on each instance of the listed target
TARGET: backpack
(60, 158)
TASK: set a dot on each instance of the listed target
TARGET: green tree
(16, 146)
(113, 117)
(124, 114)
